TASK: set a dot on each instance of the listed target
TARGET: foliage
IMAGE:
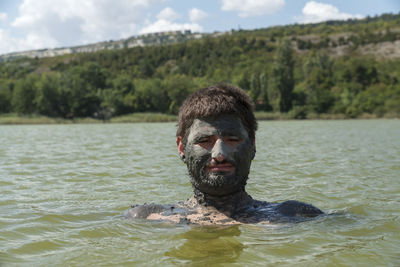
(285, 70)
(6, 97)
(282, 81)
(24, 94)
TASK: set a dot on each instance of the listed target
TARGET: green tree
(48, 94)
(151, 96)
(318, 82)
(254, 86)
(262, 100)
(24, 94)
(93, 75)
(258, 90)
(242, 81)
(119, 98)
(5, 96)
(79, 93)
(178, 87)
(282, 80)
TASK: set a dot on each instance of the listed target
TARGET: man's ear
(181, 149)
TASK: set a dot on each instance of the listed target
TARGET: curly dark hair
(214, 101)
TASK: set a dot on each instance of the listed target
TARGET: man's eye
(203, 140)
(233, 139)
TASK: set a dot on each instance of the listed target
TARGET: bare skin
(218, 153)
(252, 211)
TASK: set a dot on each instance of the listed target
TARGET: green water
(63, 189)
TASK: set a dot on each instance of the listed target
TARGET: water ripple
(63, 189)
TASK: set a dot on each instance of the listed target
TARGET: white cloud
(7, 43)
(10, 44)
(197, 15)
(248, 8)
(3, 17)
(314, 12)
(165, 26)
(166, 22)
(168, 14)
(47, 23)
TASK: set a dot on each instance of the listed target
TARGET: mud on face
(218, 155)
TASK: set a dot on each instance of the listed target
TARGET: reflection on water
(208, 245)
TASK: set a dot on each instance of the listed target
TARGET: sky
(38, 24)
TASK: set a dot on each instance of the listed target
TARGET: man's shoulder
(143, 211)
(164, 210)
(292, 208)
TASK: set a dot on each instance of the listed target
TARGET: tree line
(281, 72)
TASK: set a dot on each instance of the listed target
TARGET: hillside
(159, 38)
(336, 67)
(382, 48)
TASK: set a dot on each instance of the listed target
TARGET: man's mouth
(221, 167)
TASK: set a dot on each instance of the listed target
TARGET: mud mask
(218, 154)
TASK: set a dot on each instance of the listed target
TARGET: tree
(254, 86)
(258, 90)
(80, 91)
(318, 82)
(150, 95)
(178, 88)
(282, 79)
(118, 98)
(48, 94)
(93, 75)
(262, 100)
(24, 94)
(5, 96)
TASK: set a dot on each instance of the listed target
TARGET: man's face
(218, 154)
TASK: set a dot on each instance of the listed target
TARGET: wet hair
(213, 101)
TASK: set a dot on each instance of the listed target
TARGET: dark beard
(218, 184)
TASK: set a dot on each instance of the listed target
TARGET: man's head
(214, 101)
(216, 138)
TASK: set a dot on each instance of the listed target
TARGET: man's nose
(219, 151)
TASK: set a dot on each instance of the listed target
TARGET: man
(216, 140)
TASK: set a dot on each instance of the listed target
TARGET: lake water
(63, 189)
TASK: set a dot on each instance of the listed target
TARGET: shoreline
(14, 119)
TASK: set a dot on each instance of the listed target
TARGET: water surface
(63, 189)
